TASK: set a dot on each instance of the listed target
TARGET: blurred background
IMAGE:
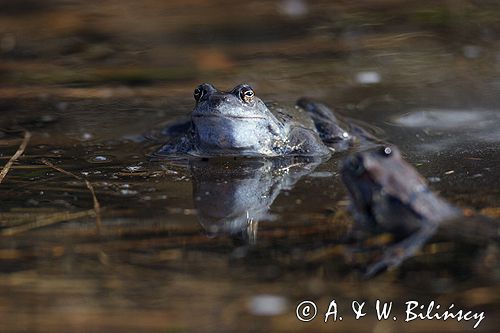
(86, 76)
(288, 47)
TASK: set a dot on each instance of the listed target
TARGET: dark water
(227, 246)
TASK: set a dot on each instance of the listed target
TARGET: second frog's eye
(385, 151)
(247, 94)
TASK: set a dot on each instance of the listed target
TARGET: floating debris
(97, 205)
(128, 192)
(43, 221)
(434, 179)
(100, 158)
(134, 168)
(321, 174)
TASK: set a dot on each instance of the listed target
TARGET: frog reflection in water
(232, 196)
(388, 194)
(238, 123)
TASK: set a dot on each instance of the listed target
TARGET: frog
(238, 123)
(387, 194)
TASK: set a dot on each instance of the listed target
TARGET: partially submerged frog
(238, 123)
(388, 193)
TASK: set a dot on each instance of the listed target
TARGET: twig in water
(97, 206)
(19, 152)
(45, 221)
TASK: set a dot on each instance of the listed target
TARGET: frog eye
(198, 93)
(247, 94)
(386, 151)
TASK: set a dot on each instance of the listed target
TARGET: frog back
(291, 116)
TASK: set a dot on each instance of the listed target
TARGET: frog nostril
(215, 101)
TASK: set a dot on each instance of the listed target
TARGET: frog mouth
(213, 115)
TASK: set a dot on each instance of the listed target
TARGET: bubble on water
(87, 136)
(133, 168)
(434, 179)
(128, 192)
(100, 158)
(368, 77)
(267, 305)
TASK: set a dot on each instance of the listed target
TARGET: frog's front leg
(169, 131)
(305, 142)
(396, 254)
(180, 145)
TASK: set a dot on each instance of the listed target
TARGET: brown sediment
(97, 206)
(493, 212)
(18, 153)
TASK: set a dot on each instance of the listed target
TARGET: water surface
(224, 246)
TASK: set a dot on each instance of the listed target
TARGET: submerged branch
(46, 221)
(19, 152)
(97, 206)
